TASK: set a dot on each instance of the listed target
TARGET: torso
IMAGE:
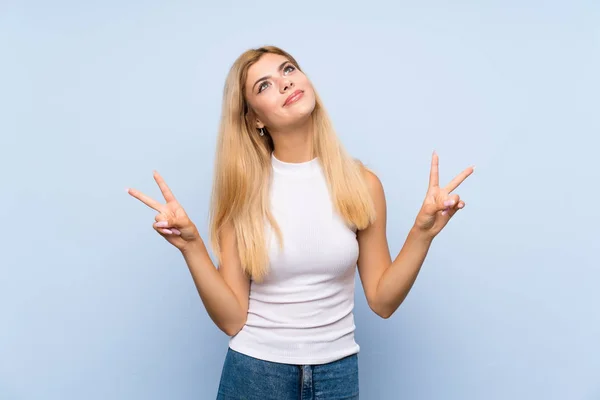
(302, 313)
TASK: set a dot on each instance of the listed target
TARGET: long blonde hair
(240, 194)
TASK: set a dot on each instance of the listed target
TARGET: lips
(292, 98)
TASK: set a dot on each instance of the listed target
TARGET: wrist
(192, 246)
(421, 235)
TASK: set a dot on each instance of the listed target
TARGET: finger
(165, 223)
(170, 231)
(434, 172)
(167, 194)
(449, 203)
(460, 178)
(155, 205)
(166, 228)
(453, 210)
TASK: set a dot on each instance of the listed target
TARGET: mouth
(294, 97)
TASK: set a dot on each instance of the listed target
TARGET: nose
(286, 84)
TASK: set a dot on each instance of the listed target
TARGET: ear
(253, 119)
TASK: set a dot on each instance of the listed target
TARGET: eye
(262, 86)
(287, 70)
(289, 67)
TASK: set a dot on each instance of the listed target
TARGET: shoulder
(372, 181)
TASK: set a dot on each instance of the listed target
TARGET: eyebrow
(268, 76)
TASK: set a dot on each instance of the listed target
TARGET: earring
(262, 132)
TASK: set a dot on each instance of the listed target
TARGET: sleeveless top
(302, 313)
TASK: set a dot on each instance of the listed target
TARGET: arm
(224, 291)
(386, 283)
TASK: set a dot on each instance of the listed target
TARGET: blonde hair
(240, 194)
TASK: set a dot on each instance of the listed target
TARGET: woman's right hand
(172, 222)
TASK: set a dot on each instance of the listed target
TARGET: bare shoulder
(373, 182)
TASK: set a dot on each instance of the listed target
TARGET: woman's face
(280, 95)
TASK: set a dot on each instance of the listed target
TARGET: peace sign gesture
(172, 221)
(440, 205)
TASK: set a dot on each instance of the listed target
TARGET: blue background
(95, 95)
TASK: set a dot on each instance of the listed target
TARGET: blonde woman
(292, 216)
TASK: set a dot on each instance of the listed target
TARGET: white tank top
(302, 313)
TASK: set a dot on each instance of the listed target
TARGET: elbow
(383, 309)
(233, 329)
(385, 314)
(382, 312)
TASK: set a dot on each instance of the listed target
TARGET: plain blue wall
(95, 95)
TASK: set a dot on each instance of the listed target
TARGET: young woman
(292, 215)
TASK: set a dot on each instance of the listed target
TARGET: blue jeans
(247, 378)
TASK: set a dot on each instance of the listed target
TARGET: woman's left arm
(386, 283)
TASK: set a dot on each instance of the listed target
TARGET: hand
(439, 205)
(171, 222)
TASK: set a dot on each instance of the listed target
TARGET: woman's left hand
(439, 205)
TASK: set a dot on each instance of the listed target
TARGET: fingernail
(444, 212)
(162, 224)
(167, 231)
(176, 231)
(448, 203)
(461, 205)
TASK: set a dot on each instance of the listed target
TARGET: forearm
(398, 279)
(218, 298)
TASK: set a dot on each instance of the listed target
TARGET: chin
(298, 113)
(304, 107)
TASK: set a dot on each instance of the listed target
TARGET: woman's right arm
(224, 291)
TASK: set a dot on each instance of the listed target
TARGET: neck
(295, 144)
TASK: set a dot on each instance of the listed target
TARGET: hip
(246, 377)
